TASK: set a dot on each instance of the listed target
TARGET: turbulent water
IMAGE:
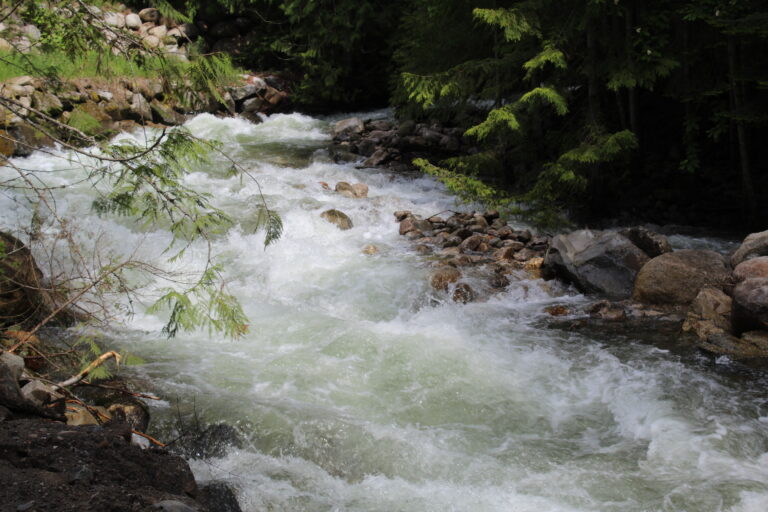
(357, 390)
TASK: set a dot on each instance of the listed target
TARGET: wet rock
(750, 305)
(605, 310)
(219, 497)
(370, 250)
(338, 218)
(253, 105)
(413, 224)
(360, 190)
(710, 313)
(526, 254)
(653, 244)
(379, 157)
(401, 215)
(755, 267)
(498, 281)
(442, 277)
(750, 345)
(422, 249)
(677, 277)
(452, 241)
(38, 393)
(557, 310)
(472, 243)
(753, 246)
(132, 412)
(353, 125)
(163, 114)
(463, 293)
(345, 189)
(596, 262)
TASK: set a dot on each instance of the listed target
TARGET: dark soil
(50, 466)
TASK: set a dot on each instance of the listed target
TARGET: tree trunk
(741, 132)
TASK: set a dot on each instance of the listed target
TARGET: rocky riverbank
(718, 302)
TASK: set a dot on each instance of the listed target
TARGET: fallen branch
(149, 438)
(95, 364)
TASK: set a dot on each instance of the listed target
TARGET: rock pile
(383, 143)
(479, 244)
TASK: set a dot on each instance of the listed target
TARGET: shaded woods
(645, 110)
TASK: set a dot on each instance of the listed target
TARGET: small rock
(401, 215)
(422, 249)
(472, 243)
(114, 19)
(360, 190)
(463, 293)
(442, 277)
(149, 15)
(498, 281)
(14, 363)
(413, 224)
(710, 313)
(452, 241)
(338, 218)
(132, 21)
(141, 442)
(38, 393)
(151, 41)
(253, 104)
(605, 310)
(345, 189)
(347, 126)
(159, 31)
(370, 250)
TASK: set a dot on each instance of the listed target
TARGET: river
(356, 389)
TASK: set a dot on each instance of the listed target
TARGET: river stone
(677, 277)
(750, 345)
(244, 91)
(338, 218)
(133, 412)
(347, 126)
(442, 277)
(360, 190)
(463, 293)
(756, 267)
(370, 250)
(132, 21)
(152, 41)
(472, 243)
(596, 262)
(710, 313)
(750, 305)
(413, 224)
(653, 244)
(753, 246)
(38, 393)
(345, 189)
(149, 15)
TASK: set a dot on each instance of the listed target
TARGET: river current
(357, 389)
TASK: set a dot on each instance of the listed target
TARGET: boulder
(149, 15)
(348, 126)
(596, 262)
(463, 293)
(151, 41)
(653, 244)
(370, 250)
(442, 277)
(47, 103)
(379, 157)
(132, 21)
(12, 398)
(338, 218)
(244, 91)
(38, 393)
(710, 313)
(218, 497)
(750, 345)
(676, 278)
(31, 32)
(163, 114)
(253, 104)
(756, 267)
(159, 31)
(753, 246)
(750, 305)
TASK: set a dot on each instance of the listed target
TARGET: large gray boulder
(596, 262)
(750, 305)
(676, 278)
(753, 246)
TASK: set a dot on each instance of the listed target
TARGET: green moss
(84, 122)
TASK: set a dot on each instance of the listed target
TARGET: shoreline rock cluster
(383, 143)
(720, 303)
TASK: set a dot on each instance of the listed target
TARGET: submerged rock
(442, 277)
(678, 277)
(338, 218)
